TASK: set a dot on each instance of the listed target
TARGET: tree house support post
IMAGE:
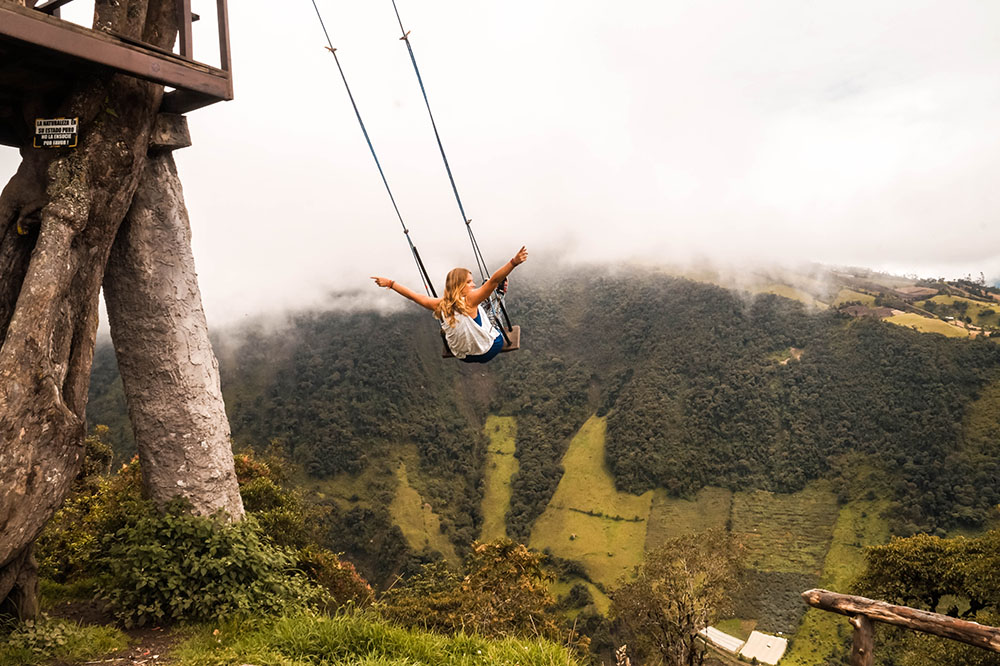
(862, 650)
(169, 372)
(225, 59)
(184, 23)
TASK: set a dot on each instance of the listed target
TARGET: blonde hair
(453, 299)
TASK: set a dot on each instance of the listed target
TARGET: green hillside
(642, 407)
(588, 520)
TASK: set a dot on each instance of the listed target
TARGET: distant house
(867, 311)
(765, 648)
(915, 293)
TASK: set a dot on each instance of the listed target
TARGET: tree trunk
(168, 369)
(58, 219)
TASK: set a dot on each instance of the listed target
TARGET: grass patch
(501, 465)
(416, 519)
(358, 640)
(56, 639)
(851, 296)
(588, 520)
(737, 627)
(670, 517)
(51, 592)
(982, 314)
(927, 325)
(822, 637)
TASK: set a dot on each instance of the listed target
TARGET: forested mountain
(701, 386)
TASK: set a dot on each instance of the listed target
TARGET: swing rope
(425, 278)
(495, 299)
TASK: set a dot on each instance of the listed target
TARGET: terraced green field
(588, 520)
(670, 517)
(501, 465)
(420, 525)
(821, 637)
(786, 533)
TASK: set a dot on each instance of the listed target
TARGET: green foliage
(930, 572)
(504, 592)
(685, 373)
(578, 596)
(362, 639)
(45, 639)
(681, 588)
(179, 566)
(69, 548)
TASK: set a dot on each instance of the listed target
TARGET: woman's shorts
(483, 358)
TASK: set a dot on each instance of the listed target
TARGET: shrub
(504, 593)
(36, 641)
(70, 546)
(179, 566)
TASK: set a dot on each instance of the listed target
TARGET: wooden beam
(184, 12)
(33, 27)
(945, 626)
(52, 7)
(225, 61)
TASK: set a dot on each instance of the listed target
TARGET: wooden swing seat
(513, 345)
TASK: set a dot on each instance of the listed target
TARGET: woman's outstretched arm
(402, 290)
(480, 294)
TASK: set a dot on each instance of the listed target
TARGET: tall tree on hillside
(59, 217)
(681, 588)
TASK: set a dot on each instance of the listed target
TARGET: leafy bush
(503, 593)
(35, 641)
(179, 566)
(70, 546)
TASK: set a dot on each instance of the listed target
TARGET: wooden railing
(865, 612)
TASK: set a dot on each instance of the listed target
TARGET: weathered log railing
(865, 612)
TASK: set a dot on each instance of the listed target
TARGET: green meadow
(501, 465)
(982, 314)
(588, 520)
(851, 296)
(927, 325)
(416, 518)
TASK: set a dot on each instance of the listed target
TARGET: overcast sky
(843, 132)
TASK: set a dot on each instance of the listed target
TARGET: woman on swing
(468, 331)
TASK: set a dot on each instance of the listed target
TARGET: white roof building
(766, 648)
(721, 640)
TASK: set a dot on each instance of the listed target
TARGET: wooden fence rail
(865, 612)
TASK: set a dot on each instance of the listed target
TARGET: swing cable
(428, 286)
(495, 299)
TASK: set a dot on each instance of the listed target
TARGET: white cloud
(848, 133)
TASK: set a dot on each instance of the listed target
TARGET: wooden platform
(40, 53)
(513, 345)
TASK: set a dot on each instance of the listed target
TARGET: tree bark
(168, 369)
(58, 219)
